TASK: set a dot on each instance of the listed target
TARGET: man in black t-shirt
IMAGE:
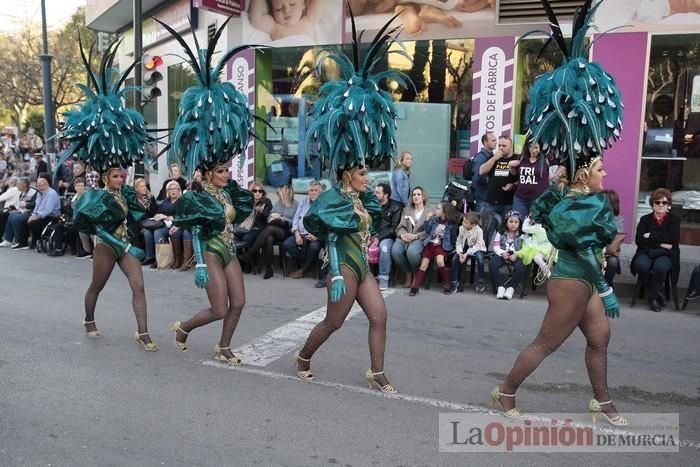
(502, 180)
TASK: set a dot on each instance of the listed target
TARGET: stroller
(51, 240)
(460, 195)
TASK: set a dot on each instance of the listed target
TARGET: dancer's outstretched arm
(594, 274)
(337, 282)
(201, 276)
(120, 245)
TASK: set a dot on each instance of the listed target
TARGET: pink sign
(492, 91)
(240, 71)
(225, 7)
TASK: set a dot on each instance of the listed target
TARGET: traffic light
(102, 41)
(151, 76)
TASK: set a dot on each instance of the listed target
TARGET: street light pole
(138, 77)
(49, 117)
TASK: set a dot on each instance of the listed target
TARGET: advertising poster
(649, 15)
(288, 23)
(240, 71)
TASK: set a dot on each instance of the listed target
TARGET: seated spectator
(410, 233)
(391, 216)
(302, 245)
(73, 236)
(67, 185)
(536, 247)
(9, 197)
(180, 239)
(46, 208)
(506, 242)
(438, 243)
(18, 213)
(146, 199)
(248, 230)
(612, 251)
(93, 181)
(176, 176)
(657, 237)
(278, 229)
(470, 243)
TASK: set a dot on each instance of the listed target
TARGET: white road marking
(420, 400)
(274, 344)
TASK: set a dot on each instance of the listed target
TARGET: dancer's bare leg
(372, 302)
(336, 313)
(567, 303)
(103, 262)
(236, 301)
(596, 328)
(131, 267)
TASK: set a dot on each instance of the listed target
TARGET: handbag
(247, 223)
(152, 224)
(165, 258)
(279, 223)
(373, 254)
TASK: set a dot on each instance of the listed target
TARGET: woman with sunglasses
(262, 206)
(657, 238)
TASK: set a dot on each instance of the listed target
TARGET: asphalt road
(68, 400)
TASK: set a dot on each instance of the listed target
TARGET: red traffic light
(152, 62)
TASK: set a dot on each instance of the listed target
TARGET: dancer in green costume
(353, 123)
(213, 126)
(107, 135)
(574, 111)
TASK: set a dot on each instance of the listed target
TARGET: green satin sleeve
(543, 205)
(241, 199)
(200, 209)
(136, 209)
(331, 212)
(374, 208)
(578, 223)
(97, 208)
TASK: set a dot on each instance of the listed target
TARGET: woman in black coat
(657, 238)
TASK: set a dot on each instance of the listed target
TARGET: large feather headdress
(354, 120)
(213, 122)
(103, 131)
(574, 111)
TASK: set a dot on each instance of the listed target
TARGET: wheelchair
(48, 243)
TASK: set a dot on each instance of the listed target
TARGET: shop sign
(224, 7)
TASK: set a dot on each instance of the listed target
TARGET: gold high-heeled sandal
(147, 346)
(220, 357)
(175, 327)
(496, 395)
(387, 388)
(306, 375)
(594, 407)
(96, 334)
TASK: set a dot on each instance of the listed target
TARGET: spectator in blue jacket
(47, 207)
(401, 179)
(438, 244)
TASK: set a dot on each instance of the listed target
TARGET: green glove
(337, 282)
(594, 274)
(201, 276)
(120, 245)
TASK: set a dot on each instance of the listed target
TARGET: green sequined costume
(107, 214)
(213, 213)
(579, 226)
(334, 213)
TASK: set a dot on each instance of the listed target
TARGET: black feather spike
(86, 62)
(355, 43)
(193, 58)
(557, 35)
(212, 47)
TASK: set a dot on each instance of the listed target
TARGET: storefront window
(441, 71)
(671, 144)
(180, 77)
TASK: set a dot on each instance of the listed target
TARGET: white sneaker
(501, 292)
(5, 244)
(383, 284)
(509, 293)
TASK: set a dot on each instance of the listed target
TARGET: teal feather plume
(575, 111)
(354, 120)
(103, 131)
(214, 122)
